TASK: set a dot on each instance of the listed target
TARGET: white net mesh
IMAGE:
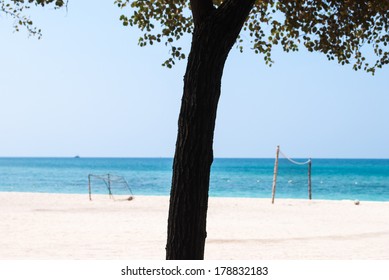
(113, 184)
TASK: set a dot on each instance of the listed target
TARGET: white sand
(52, 226)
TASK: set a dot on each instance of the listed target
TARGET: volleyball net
(292, 175)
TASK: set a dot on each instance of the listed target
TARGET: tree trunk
(212, 40)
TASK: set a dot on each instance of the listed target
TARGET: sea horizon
(332, 178)
(168, 157)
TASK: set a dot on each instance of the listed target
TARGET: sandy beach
(61, 226)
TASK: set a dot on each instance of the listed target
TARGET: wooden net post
(109, 186)
(89, 188)
(275, 175)
(309, 179)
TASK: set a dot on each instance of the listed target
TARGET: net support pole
(309, 179)
(109, 185)
(275, 175)
(89, 188)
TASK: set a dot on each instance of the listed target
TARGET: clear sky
(87, 89)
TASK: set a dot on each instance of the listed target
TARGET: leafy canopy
(349, 31)
(16, 10)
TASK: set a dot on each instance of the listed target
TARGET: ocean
(333, 179)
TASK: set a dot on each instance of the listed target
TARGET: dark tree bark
(215, 33)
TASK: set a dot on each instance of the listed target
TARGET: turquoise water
(363, 179)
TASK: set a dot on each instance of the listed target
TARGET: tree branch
(235, 10)
(233, 14)
(201, 9)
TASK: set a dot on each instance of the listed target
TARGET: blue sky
(87, 89)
